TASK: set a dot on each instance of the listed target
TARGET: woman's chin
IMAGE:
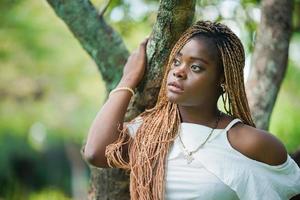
(173, 98)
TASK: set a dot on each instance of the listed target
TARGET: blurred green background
(50, 90)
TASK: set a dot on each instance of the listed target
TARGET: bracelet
(122, 88)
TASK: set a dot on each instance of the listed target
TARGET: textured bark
(173, 18)
(269, 59)
(108, 184)
(102, 43)
(95, 36)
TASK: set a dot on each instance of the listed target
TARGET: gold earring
(225, 100)
(223, 87)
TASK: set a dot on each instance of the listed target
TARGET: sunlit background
(50, 90)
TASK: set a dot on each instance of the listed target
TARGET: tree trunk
(269, 59)
(95, 36)
(173, 18)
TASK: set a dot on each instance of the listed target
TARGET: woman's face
(194, 78)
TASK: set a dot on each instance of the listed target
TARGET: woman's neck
(204, 116)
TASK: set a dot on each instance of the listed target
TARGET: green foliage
(44, 71)
(25, 169)
(50, 90)
(285, 118)
(49, 194)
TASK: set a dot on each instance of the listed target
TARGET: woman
(185, 148)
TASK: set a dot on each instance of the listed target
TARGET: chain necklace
(189, 154)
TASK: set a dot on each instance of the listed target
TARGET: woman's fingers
(143, 44)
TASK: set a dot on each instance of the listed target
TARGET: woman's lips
(175, 87)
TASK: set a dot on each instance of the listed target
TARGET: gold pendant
(188, 156)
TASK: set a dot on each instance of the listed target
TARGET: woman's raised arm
(104, 129)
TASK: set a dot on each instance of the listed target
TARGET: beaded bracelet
(122, 88)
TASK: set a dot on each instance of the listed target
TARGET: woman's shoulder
(257, 144)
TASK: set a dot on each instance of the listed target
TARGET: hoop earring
(225, 99)
(223, 87)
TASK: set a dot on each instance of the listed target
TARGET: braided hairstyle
(149, 148)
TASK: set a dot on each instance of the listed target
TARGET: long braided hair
(149, 148)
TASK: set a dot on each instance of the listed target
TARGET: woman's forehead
(199, 47)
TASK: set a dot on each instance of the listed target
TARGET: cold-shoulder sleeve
(251, 179)
(263, 181)
(116, 153)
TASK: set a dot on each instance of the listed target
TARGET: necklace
(189, 154)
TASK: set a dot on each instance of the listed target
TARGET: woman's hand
(135, 66)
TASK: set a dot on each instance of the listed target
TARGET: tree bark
(173, 18)
(95, 36)
(269, 59)
(108, 184)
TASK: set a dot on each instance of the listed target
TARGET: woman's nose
(179, 72)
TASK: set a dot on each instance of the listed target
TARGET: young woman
(185, 147)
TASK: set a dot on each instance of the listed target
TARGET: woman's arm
(104, 129)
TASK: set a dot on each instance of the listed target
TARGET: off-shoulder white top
(219, 171)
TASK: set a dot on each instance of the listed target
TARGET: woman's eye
(196, 68)
(176, 62)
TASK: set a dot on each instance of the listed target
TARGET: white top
(218, 171)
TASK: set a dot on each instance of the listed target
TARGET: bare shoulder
(257, 144)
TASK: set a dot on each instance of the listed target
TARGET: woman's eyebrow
(201, 59)
(178, 54)
(193, 58)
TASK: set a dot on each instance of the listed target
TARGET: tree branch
(269, 59)
(101, 42)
